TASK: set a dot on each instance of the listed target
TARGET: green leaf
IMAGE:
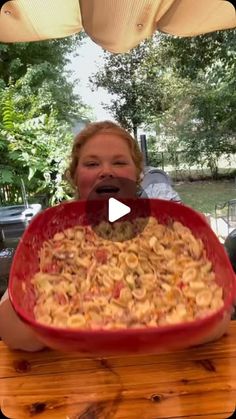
(25, 156)
(32, 171)
(6, 175)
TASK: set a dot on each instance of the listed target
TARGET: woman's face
(105, 163)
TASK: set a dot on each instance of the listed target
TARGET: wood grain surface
(196, 383)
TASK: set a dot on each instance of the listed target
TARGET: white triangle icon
(116, 209)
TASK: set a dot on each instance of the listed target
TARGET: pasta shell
(116, 274)
(46, 319)
(131, 261)
(195, 247)
(130, 280)
(76, 320)
(152, 241)
(217, 303)
(70, 233)
(58, 237)
(107, 281)
(189, 275)
(139, 294)
(79, 235)
(203, 298)
(197, 285)
(125, 295)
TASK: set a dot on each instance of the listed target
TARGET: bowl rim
(162, 329)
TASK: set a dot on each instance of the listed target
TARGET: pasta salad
(160, 277)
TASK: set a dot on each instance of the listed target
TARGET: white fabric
(35, 20)
(162, 191)
(116, 25)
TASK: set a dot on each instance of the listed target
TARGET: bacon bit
(75, 303)
(89, 236)
(52, 269)
(181, 285)
(88, 296)
(117, 289)
(58, 244)
(61, 299)
(101, 255)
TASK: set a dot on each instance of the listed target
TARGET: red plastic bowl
(104, 342)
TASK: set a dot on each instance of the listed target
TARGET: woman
(114, 163)
(102, 152)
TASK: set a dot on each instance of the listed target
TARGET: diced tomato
(61, 298)
(117, 289)
(101, 255)
(51, 268)
(181, 285)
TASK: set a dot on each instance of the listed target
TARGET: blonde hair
(106, 127)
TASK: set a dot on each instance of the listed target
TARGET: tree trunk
(135, 131)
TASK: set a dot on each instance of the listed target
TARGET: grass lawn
(203, 195)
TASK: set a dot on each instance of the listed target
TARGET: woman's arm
(13, 331)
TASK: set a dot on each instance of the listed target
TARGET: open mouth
(105, 190)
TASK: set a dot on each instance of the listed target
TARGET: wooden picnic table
(196, 383)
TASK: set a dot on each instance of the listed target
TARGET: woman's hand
(219, 330)
(14, 332)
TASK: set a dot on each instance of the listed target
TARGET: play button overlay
(115, 210)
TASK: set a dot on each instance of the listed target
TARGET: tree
(201, 123)
(201, 119)
(135, 85)
(15, 58)
(183, 87)
(34, 148)
(190, 57)
(37, 107)
(41, 67)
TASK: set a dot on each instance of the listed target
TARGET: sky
(83, 66)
